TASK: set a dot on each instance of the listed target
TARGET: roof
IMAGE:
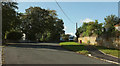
(117, 25)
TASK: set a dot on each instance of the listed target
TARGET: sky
(63, 0)
(78, 12)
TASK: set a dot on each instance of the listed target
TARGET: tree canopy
(89, 29)
(10, 18)
(95, 28)
(41, 24)
(110, 21)
(37, 23)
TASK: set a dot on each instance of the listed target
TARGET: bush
(88, 41)
(14, 35)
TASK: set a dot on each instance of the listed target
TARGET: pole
(76, 27)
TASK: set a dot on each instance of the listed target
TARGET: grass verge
(80, 48)
(110, 51)
(76, 47)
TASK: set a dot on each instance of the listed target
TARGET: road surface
(44, 53)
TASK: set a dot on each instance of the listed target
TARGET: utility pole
(76, 27)
(76, 31)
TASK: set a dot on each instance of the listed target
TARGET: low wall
(100, 41)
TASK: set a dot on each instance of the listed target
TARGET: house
(117, 27)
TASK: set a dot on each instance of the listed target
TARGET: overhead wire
(64, 12)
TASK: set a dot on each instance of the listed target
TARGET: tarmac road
(44, 53)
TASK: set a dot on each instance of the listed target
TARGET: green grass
(110, 51)
(76, 47)
(80, 48)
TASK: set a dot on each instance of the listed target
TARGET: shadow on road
(47, 46)
(53, 46)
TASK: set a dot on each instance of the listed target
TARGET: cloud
(87, 20)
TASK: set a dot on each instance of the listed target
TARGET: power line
(64, 12)
(65, 15)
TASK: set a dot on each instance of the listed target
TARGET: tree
(79, 32)
(14, 35)
(34, 21)
(10, 19)
(65, 37)
(58, 30)
(41, 24)
(110, 21)
(89, 29)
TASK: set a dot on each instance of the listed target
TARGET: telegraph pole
(76, 31)
(76, 27)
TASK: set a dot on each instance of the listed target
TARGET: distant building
(117, 27)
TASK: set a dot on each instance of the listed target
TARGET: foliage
(41, 24)
(36, 23)
(65, 37)
(89, 29)
(110, 21)
(10, 18)
(95, 28)
(14, 35)
(88, 41)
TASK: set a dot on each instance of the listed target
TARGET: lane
(44, 53)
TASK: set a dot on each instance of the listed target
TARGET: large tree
(38, 23)
(10, 18)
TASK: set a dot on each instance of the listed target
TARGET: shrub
(14, 35)
(88, 41)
